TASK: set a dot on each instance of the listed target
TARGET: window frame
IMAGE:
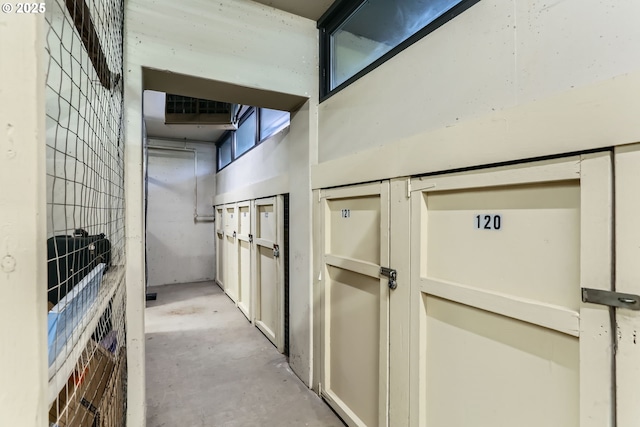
(342, 10)
(278, 130)
(243, 120)
(257, 136)
(219, 144)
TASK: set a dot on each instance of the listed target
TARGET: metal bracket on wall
(611, 299)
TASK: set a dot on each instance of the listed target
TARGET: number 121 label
(488, 222)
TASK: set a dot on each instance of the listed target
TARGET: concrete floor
(208, 366)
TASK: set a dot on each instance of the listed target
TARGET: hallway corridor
(208, 366)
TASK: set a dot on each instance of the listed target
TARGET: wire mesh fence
(85, 213)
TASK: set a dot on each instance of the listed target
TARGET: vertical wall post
(23, 279)
(134, 223)
(303, 130)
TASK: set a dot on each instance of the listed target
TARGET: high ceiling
(311, 9)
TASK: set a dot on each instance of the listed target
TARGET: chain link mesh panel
(85, 216)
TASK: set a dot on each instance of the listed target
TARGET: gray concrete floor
(208, 366)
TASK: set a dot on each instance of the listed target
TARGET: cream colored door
(220, 240)
(269, 269)
(245, 239)
(500, 336)
(231, 285)
(356, 303)
(627, 161)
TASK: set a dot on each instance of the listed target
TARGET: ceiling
(154, 99)
(311, 9)
(153, 114)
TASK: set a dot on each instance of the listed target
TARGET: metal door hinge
(250, 238)
(276, 251)
(611, 299)
(392, 275)
(234, 234)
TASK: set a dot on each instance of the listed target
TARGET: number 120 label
(488, 222)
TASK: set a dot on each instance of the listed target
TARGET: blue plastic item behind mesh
(70, 312)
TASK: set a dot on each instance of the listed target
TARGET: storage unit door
(500, 335)
(219, 225)
(269, 270)
(356, 303)
(245, 239)
(231, 284)
(628, 281)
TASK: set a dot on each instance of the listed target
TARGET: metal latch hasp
(391, 274)
(611, 298)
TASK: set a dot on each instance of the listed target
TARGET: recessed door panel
(356, 303)
(219, 224)
(268, 291)
(359, 219)
(244, 215)
(355, 331)
(244, 239)
(481, 358)
(523, 240)
(267, 227)
(231, 252)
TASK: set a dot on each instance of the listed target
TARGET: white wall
(504, 80)
(179, 249)
(23, 307)
(262, 172)
(241, 43)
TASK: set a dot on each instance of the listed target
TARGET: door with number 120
(500, 335)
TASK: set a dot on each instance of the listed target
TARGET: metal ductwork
(185, 110)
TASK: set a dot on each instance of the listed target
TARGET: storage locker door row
(249, 239)
(499, 334)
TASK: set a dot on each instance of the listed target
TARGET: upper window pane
(272, 121)
(375, 28)
(224, 152)
(246, 135)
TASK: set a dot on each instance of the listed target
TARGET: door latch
(392, 275)
(611, 299)
(276, 251)
(250, 238)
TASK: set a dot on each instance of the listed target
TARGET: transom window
(256, 126)
(359, 35)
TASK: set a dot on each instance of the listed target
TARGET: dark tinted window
(272, 121)
(246, 135)
(357, 36)
(224, 151)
